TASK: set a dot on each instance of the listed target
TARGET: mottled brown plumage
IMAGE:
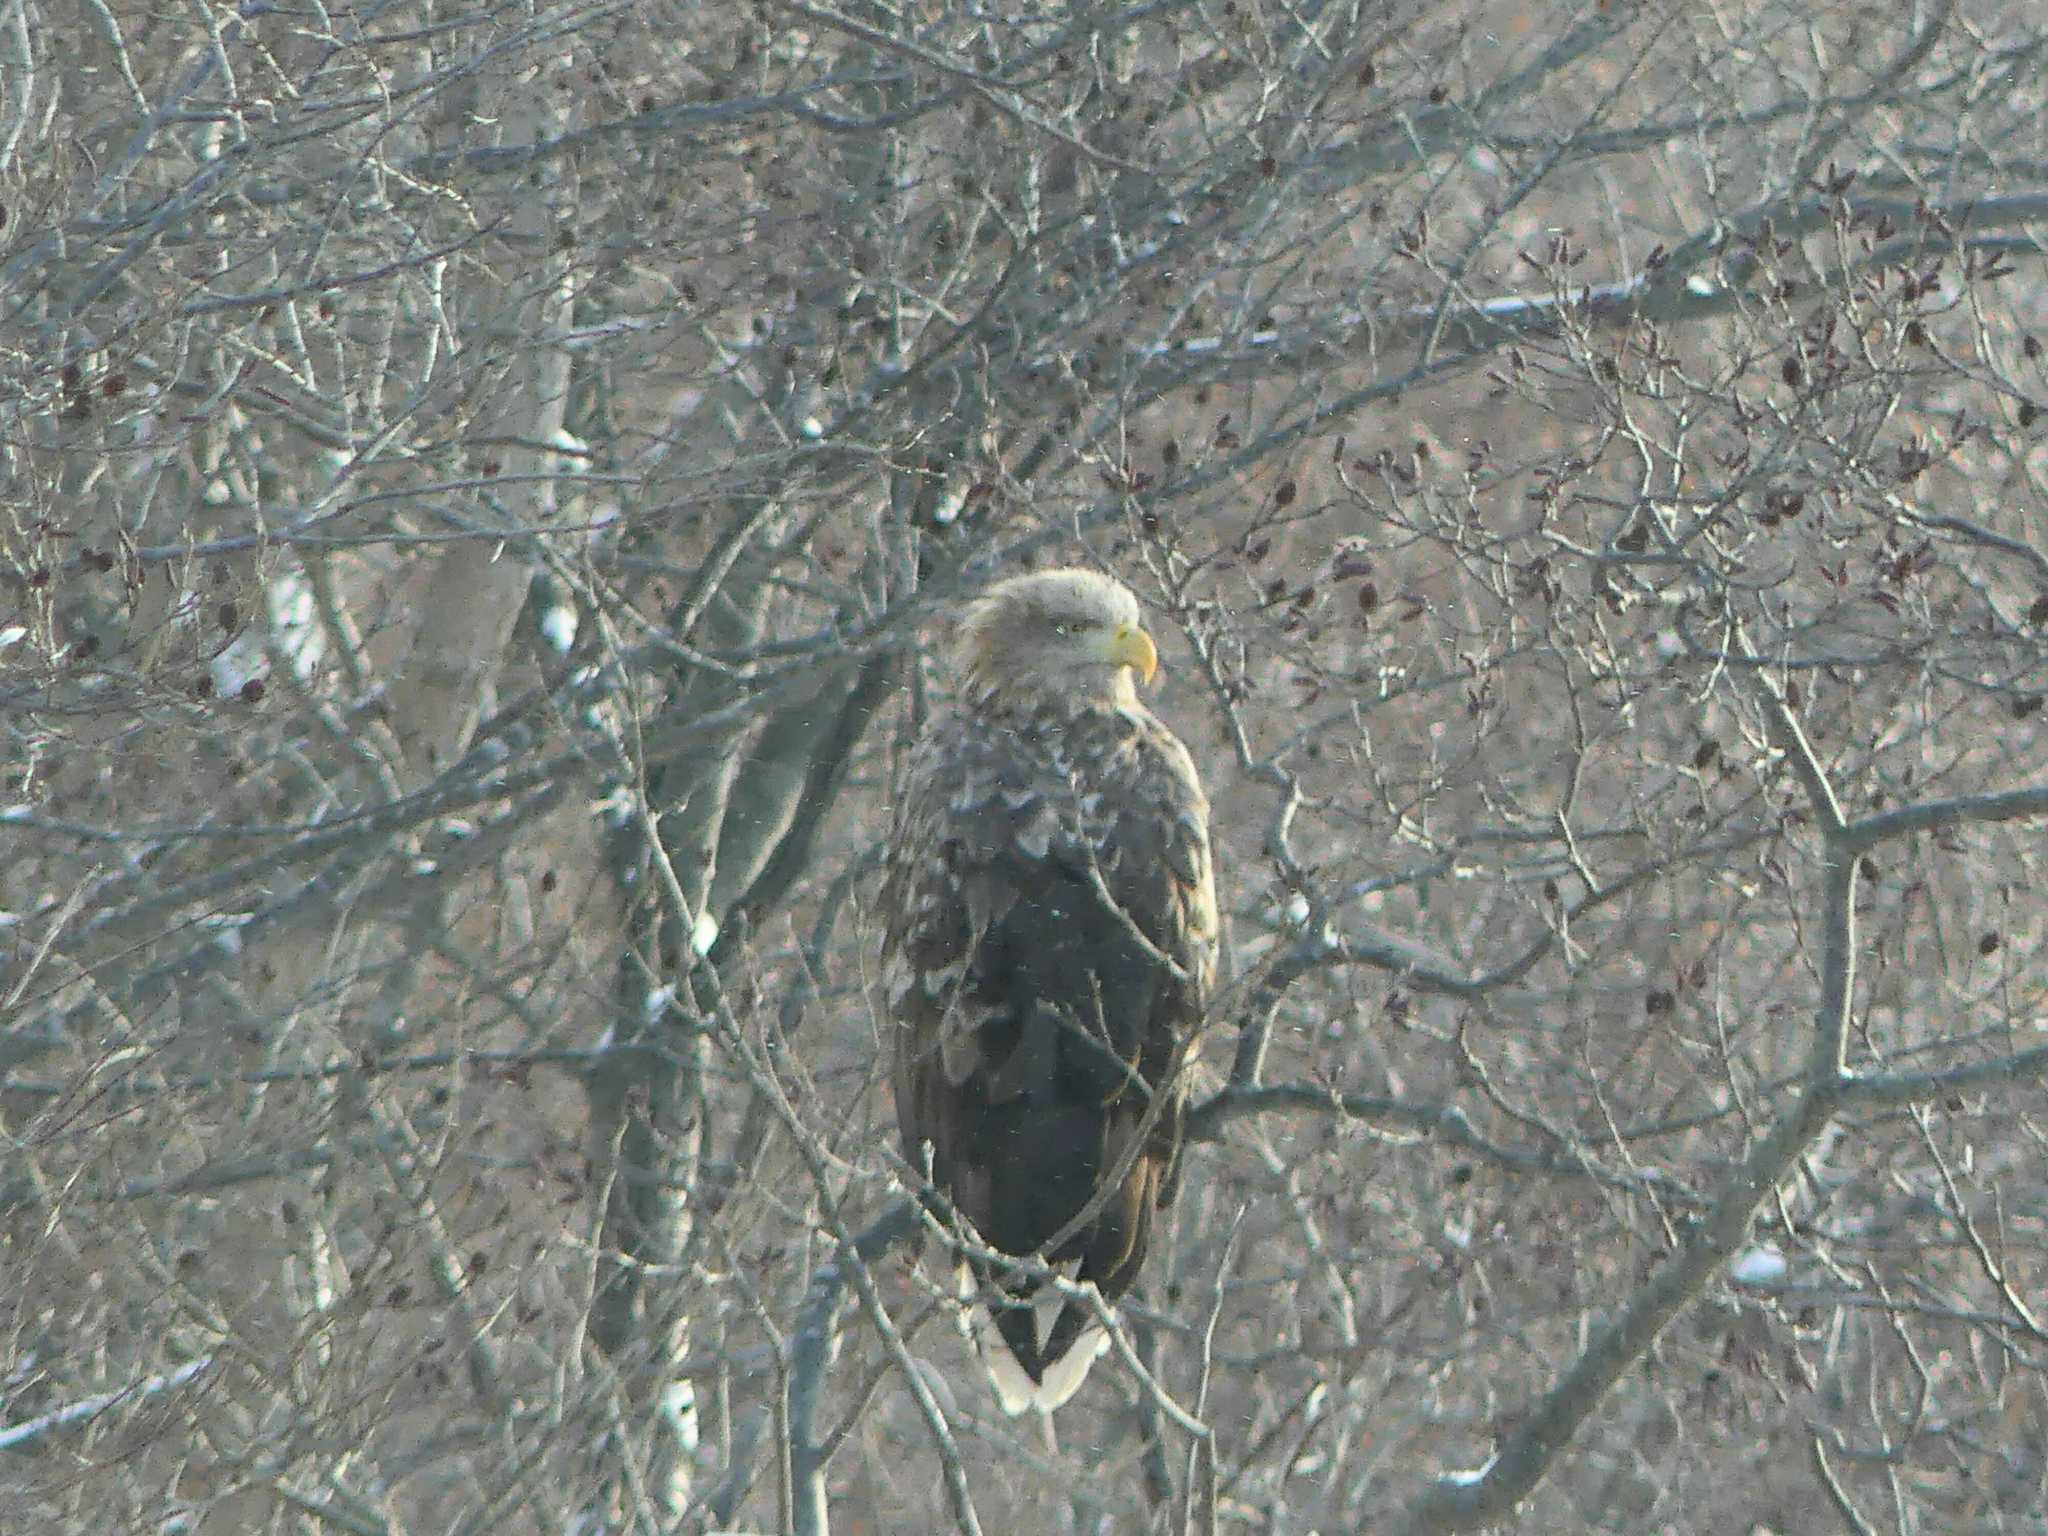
(1051, 941)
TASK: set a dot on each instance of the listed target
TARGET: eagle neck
(1064, 699)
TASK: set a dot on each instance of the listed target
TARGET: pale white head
(1072, 636)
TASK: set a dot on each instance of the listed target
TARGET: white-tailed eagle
(1050, 947)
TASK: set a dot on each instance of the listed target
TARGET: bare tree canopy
(480, 491)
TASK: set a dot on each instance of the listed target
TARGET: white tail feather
(1015, 1389)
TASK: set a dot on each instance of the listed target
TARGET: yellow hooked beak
(1130, 646)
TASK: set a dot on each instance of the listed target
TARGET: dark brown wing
(1051, 944)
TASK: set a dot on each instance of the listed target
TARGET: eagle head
(1072, 636)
